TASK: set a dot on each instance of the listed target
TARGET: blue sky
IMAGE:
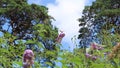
(45, 2)
(41, 2)
(66, 13)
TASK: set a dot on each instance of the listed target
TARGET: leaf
(49, 63)
(17, 63)
(101, 65)
(36, 64)
(40, 44)
(30, 42)
(7, 35)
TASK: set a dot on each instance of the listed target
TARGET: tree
(25, 26)
(100, 23)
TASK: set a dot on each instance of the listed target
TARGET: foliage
(25, 26)
(29, 26)
(99, 20)
(100, 23)
(78, 59)
(10, 53)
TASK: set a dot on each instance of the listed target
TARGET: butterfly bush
(92, 57)
(28, 58)
(94, 47)
(60, 36)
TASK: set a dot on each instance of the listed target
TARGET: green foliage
(36, 64)
(28, 25)
(108, 39)
(10, 54)
(110, 12)
(17, 64)
(49, 63)
(44, 31)
(33, 20)
(101, 22)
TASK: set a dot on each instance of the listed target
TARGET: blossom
(94, 57)
(88, 55)
(28, 58)
(60, 36)
(95, 46)
(100, 48)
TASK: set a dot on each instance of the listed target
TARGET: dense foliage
(99, 22)
(24, 26)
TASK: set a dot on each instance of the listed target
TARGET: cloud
(66, 13)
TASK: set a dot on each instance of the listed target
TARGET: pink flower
(88, 55)
(94, 57)
(100, 48)
(28, 58)
(60, 36)
(95, 46)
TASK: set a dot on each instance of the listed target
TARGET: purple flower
(100, 48)
(94, 46)
(60, 36)
(88, 55)
(94, 57)
(28, 58)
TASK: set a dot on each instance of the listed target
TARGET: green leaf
(49, 63)
(40, 44)
(30, 42)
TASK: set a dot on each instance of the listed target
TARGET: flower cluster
(92, 57)
(95, 46)
(60, 36)
(115, 51)
(28, 58)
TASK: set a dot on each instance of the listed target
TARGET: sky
(66, 13)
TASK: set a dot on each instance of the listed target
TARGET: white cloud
(66, 13)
